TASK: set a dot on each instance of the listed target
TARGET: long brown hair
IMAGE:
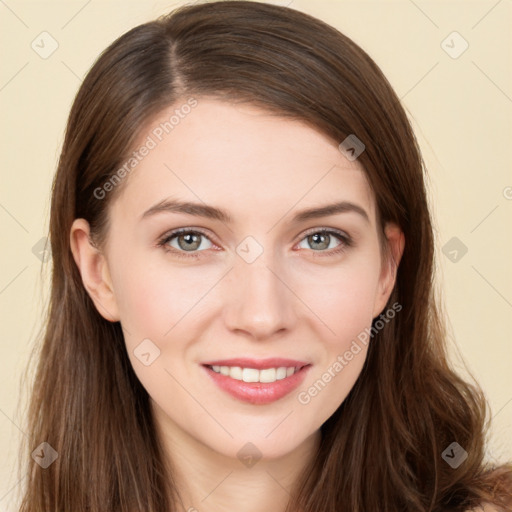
(382, 448)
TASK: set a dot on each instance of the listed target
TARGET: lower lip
(258, 393)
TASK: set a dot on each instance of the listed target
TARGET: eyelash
(340, 235)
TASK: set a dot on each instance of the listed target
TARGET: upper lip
(259, 364)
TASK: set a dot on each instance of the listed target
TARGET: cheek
(343, 301)
(343, 297)
(152, 299)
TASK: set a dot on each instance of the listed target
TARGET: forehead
(242, 158)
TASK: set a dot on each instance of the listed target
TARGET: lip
(258, 364)
(258, 393)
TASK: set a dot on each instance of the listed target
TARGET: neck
(208, 481)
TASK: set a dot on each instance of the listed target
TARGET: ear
(93, 268)
(391, 260)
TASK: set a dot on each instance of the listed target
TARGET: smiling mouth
(257, 386)
(265, 376)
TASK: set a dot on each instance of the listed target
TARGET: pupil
(318, 236)
(190, 238)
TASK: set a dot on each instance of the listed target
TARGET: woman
(242, 315)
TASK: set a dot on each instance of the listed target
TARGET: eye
(184, 240)
(323, 239)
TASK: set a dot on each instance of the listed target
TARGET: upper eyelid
(178, 231)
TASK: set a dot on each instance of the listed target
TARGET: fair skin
(298, 299)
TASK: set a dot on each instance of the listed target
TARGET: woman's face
(252, 276)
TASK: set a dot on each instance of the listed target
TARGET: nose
(259, 301)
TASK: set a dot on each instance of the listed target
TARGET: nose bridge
(259, 301)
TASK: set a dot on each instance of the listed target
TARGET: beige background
(461, 109)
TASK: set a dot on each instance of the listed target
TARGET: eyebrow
(211, 212)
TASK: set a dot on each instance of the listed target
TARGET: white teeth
(253, 375)
(250, 375)
(282, 372)
(267, 375)
(236, 373)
